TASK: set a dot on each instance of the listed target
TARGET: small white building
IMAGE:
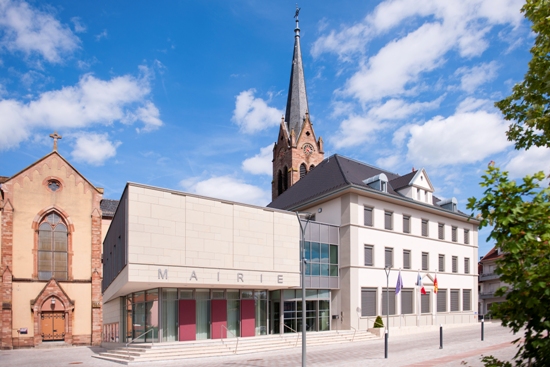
(390, 220)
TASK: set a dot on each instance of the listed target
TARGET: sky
(189, 95)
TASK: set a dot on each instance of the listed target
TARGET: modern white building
(186, 267)
(388, 220)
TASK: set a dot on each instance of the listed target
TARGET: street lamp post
(306, 216)
(387, 270)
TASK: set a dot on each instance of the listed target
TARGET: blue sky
(188, 95)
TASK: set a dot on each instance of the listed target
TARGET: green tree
(529, 105)
(520, 216)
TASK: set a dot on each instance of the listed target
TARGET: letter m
(163, 275)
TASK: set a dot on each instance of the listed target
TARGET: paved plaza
(462, 346)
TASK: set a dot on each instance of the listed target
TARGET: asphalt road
(462, 346)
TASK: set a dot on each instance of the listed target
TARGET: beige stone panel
(111, 311)
(138, 209)
(105, 223)
(23, 294)
(81, 294)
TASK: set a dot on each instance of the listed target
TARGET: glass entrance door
(203, 314)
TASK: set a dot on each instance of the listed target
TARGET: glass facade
(159, 310)
(290, 307)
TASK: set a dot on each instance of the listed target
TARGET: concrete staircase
(217, 347)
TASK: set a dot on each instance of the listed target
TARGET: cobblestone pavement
(462, 346)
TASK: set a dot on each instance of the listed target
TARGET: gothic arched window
(52, 248)
(285, 179)
(303, 170)
(279, 183)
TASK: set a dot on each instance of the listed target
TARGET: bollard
(441, 336)
(386, 343)
(482, 329)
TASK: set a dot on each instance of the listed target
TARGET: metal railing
(294, 331)
(221, 332)
(131, 341)
(354, 331)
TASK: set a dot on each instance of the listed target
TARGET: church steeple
(297, 151)
(296, 105)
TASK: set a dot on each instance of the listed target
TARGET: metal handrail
(294, 331)
(131, 341)
(355, 331)
(237, 345)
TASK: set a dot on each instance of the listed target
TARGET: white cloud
(253, 114)
(356, 130)
(471, 104)
(91, 101)
(397, 109)
(261, 163)
(461, 138)
(228, 188)
(528, 162)
(78, 26)
(478, 75)
(101, 35)
(398, 65)
(93, 148)
(31, 31)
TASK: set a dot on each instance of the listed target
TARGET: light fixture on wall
(53, 301)
(319, 210)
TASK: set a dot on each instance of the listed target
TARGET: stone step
(215, 347)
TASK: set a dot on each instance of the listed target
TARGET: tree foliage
(520, 216)
(529, 105)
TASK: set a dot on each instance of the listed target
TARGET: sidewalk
(462, 346)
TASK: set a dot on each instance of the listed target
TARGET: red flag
(435, 284)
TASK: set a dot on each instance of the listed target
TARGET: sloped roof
(491, 255)
(108, 207)
(334, 173)
(402, 181)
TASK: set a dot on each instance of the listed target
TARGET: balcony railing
(488, 276)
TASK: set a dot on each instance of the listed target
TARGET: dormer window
(449, 204)
(378, 182)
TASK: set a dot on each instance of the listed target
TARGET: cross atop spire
(55, 136)
(296, 104)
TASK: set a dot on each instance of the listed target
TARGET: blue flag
(399, 284)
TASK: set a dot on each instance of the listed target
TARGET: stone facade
(291, 152)
(50, 186)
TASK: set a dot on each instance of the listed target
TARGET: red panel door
(218, 310)
(248, 318)
(187, 319)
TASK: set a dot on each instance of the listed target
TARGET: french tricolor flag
(419, 283)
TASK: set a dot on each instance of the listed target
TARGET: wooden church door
(53, 325)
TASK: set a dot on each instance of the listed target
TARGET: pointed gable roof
(64, 160)
(296, 104)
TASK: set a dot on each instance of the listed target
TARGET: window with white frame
(425, 227)
(453, 234)
(406, 224)
(425, 261)
(385, 294)
(466, 236)
(441, 231)
(388, 257)
(466, 300)
(368, 216)
(388, 220)
(407, 301)
(466, 265)
(406, 259)
(425, 303)
(455, 264)
(442, 300)
(455, 305)
(369, 259)
(368, 302)
(441, 263)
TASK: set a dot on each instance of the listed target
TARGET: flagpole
(418, 299)
(436, 287)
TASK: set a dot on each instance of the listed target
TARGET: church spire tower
(296, 151)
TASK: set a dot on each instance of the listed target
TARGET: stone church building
(52, 225)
